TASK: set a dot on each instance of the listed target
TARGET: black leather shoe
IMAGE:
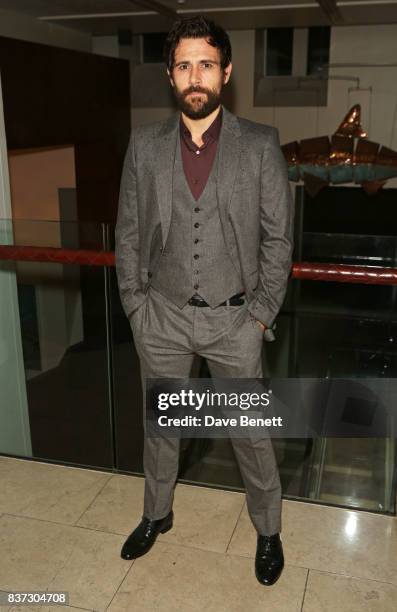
(141, 540)
(269, 560)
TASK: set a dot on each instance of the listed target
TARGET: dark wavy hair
(197, 27)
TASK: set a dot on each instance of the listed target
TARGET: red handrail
(369, 275)
(57, 255)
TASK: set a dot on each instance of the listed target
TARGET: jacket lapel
(164, 157)
(228, 162)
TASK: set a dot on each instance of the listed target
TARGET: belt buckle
(196, 301)
(238, 299)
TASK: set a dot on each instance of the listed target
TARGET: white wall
(106, 45)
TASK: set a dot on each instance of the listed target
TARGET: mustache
(195, 89)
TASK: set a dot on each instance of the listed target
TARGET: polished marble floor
(62, 528)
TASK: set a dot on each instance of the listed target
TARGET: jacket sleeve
(276, 245)
(127, 251)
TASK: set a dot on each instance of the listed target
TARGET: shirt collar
(212, 132)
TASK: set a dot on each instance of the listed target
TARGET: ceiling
(106, 17)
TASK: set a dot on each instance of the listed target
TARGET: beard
(200, 106)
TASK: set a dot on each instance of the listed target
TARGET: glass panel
(342, 330)
(353, 472)
(127, 391)
(318, 48)
(67, 398)
(279, 51)
(62, 410)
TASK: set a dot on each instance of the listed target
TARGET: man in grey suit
(203, 255)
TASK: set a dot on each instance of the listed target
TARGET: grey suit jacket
(255, 207)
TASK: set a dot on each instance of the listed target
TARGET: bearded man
(203, 255)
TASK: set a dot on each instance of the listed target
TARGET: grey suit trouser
(167, 338)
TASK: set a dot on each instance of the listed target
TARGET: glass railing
(55, 404)
(70, 376)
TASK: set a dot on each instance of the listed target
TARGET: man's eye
(182, 66)
(207, 65)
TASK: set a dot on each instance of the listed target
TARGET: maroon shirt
(197, 161)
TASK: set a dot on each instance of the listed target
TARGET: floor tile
(351, 555)
(173, 578)
(40, 555)
(45, 491)
(32, 552)
(333, 540)
(329, 592)
(204, 518)
(93, 570)
(119, 506)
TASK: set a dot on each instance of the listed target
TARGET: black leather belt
(235, 300)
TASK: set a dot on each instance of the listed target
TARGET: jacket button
(197, 225)
(196, 256)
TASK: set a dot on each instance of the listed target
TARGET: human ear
(227, 72)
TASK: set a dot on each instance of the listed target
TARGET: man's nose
(195, 75)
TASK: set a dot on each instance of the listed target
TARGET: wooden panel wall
(55, 96)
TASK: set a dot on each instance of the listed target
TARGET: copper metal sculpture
(348, 158)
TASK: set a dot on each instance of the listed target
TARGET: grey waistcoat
(187, 267)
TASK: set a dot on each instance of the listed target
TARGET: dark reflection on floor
(68, 390)
(68, 408)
